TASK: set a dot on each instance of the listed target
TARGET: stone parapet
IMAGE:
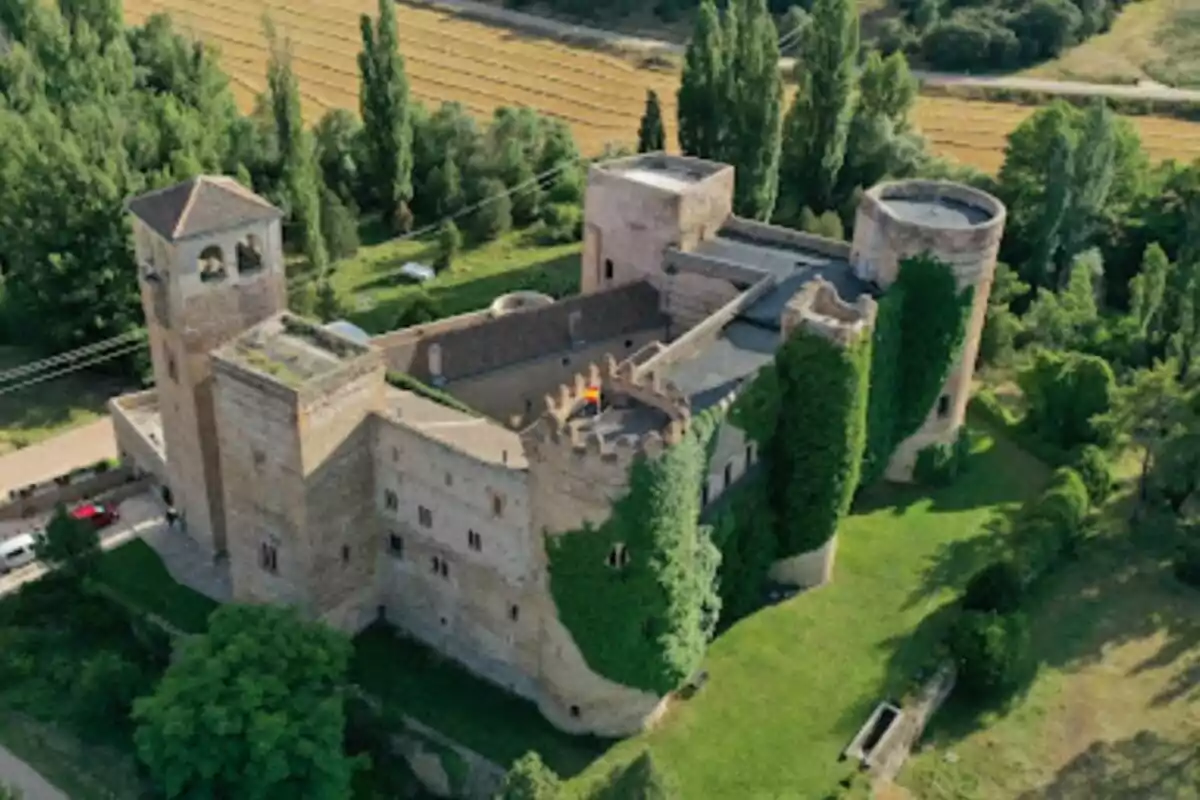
(818, 308)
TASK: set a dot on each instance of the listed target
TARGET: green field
(789, 686)
(33, 413)
(375, 293)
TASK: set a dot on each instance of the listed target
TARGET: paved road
(19, 775)
(565, 30)
(78, 447)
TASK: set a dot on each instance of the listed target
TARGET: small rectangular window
(345, 554)
(390, 501)
(749, 455)
(474, 540)
(497, 505)
(445, 569)
(704, 493)
(268, 558)
(436, 563)
(608, 269)
(171, 370)
(396, 545)
(424, 517)
(514, 613)
(728, 474)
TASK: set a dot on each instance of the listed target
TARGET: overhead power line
(127, 350)
(33, 367)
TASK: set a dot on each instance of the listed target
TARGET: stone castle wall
(882, 240)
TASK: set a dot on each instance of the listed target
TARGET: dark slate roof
(201, 205)
(739, 353)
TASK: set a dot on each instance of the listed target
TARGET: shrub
(495, 216)
(448, 244)
(1050, 526)
(1069, 394)
(996, 587)
(992, 652)
(530, 779)
(339, 226)
(561, 223)
(1187, 562)
(1094, 468)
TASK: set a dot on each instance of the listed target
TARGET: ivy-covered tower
(613, 491)
(955, 225)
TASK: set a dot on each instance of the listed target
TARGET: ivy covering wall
(645, 622)
(919, 329)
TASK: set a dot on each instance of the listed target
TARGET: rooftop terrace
(672, 173)
(292, 350)
(941, 212)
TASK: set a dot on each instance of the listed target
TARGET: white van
(17, 552)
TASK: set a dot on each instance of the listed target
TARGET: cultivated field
(482, 67)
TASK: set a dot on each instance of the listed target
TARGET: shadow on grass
(1144, 767)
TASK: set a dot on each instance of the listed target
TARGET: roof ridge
(180, 223)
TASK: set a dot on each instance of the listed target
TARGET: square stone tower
(295, 406)
(210, 263)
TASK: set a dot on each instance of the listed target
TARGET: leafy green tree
(1093, 171)
(1148, 412)
(103, 692)
(70, 545)
(495, 214)
(651, 136)
(1058, 200)
(753, 106)
(1001, 327)
(301, 182)
(817, 125)
(1069, 395)
(384, 107)
(1147, 290)
(338, 135)
(530, 779)
(449, 243)
(328, 305)
(702, 87)
(1067, 319)
(254, 708)
(418, 309)
(339, 226)
(993, 654)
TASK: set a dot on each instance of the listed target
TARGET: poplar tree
(701, 94)
(818, 123)
(651, 136)
(383, 103)
(297, 154)
(753, 107)
(1093, 171)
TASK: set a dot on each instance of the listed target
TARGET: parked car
(17, 552)
(99, 515)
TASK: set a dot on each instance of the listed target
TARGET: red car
(99, 515)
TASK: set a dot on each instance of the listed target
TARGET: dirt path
(78, 447)
(16, 773)
(566, 31)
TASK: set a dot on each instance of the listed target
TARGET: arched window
(249, 255)
(212, 264)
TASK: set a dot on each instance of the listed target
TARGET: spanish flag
(592, 395)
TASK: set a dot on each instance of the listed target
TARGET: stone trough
(872, 737)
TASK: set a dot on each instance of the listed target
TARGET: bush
(449, 243)
(339, 226)
(996, 587)
(992, 652)
(1050, 526)
(1094, 468)
(530, 779)
(1187, 562)
(561, 223)
(494, 217)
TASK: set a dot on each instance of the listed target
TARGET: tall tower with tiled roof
(210, 261)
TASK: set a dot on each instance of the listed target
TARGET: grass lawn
(1152, 39)
(1114, 712)
(81, 771)
(412, 679)
(375, 293)
(136, 574)
(38, 412)
(789, 686)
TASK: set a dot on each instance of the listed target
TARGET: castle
(432, 503)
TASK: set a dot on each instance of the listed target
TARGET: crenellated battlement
(818, 308)
(635, 402)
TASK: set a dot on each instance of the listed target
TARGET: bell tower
(210, 265)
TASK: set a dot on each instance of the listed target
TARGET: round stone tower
(958, 225)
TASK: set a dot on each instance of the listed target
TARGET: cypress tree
(297, 153)
(383, 103)
(753, 107)
(817, 124)
(700, 112)
(651, 136)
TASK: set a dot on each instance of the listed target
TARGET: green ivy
(919, 329)
(940, 464)
(645, 624)
(743, 529)
(816, 453)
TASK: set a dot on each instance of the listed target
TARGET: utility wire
(69, 356)
(73, 368)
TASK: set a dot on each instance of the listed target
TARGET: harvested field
(481, 66)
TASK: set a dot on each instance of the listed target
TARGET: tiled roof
(201, 205)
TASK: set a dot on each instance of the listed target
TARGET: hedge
(1186, 110)
(645, 623)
